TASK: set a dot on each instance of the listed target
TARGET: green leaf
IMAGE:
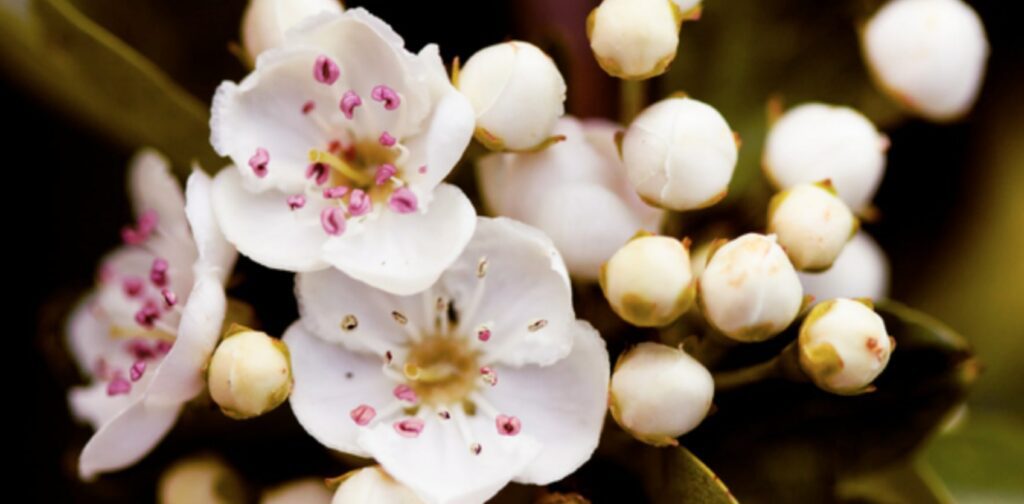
(910, 483)
(677, 475)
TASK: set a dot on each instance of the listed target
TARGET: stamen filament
(318, 156)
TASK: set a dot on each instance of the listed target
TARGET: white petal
(215, 253)
(126, 438)
(525, 299)
(329, 383)
(439, 148)
(861, 270)
(406, 253)
(265, 229)
(562, 405)
(88, 335)
(179, 377)
(152, 186)
(91, 403)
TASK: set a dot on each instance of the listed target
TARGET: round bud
(250, 374)
(749, 290)
(648, 281)
(659, 393)
(517, 94)
(371, 485)
(265, 21)
(815, 142)
(680, 154)
(202, 478)
(304, 491)
(860, 271)
(634, 39)
(812, 224)
(928, 55)
(844, 346)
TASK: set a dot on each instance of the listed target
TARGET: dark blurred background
(952, 201)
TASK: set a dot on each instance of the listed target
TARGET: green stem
(632, 97)
(728, 380)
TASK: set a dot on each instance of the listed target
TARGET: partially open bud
(371, 485)
(265, 21)
(659, 393)
(844, 346)
(635, 39)
(680, 154)
(749, 290)
(928, 55)
(815, 142)
(860, 271)
(301, 491)
(648, 281)
(202, 478)
(812, 224)
(250, 373)
(517, 94)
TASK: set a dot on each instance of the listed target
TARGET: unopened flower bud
(371, 485)
(648, 281)
(202, 478)
(928, 55)
(680, 154)
(265, 21)
(815, 142)
(517, 94)
(249, 374)
(749, 290)
(659, 393)
(812, 225)
(860, 271)
(844, 346)
(635, 39)
(301, 491)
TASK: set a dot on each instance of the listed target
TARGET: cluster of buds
(249, 374)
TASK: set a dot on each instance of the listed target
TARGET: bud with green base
(844, 346)
(638, 39)
(648, 281)
(250, 373)
(812, 224)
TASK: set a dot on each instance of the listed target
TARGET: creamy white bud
(812, 225)
(634, 39)
(249, 374)
(301, 491)
(659, 393)
(749, 290)
(844, 346)
(648, 282)
(202, 478)
(928, 55)
(517, 93)
(680, 154)
(815, 141)
(266, 21)
(689, 8)
(371, 485)
(860, 271)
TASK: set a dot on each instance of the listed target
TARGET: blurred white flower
(812, 224)
(146, 332)
(266, 21)
(484, 378)
(860, 271)
(371, 485)
(341, 139)
(202, 479)
(300, 491)
(576, 191)
(844, 346)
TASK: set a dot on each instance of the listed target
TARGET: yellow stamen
(359, 178)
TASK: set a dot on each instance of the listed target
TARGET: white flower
(145, 333)
(635, 39)
(266, 21)
(203, 478)
(659, 393)
(815, 142)
(749, 290)
(341, 139)
(812, 224)
(844, 346)
(484, 378)
(517, 93)
(860, 271)
(249, 373)
(928, 55)
(648, 282)
(576, 191)
(371, 485)
(680, 154)
(300, 491)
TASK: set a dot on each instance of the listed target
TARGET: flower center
(442, 370)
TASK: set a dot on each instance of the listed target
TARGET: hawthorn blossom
(341, 138)
(576, 191)
(145, 332)
(484, 378)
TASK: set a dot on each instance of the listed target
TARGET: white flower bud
(265, 21)
(812, 224)
(301, 491)
(844, 346)
(371, 485)
(250, 374)
(860, 271)
(928, 55)
(815, 141)
(648, 281)
(749, 290)
(634, 39)
(659, 393)
(680, 154)
(517, 94)
(689, 8)
(202, 478)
